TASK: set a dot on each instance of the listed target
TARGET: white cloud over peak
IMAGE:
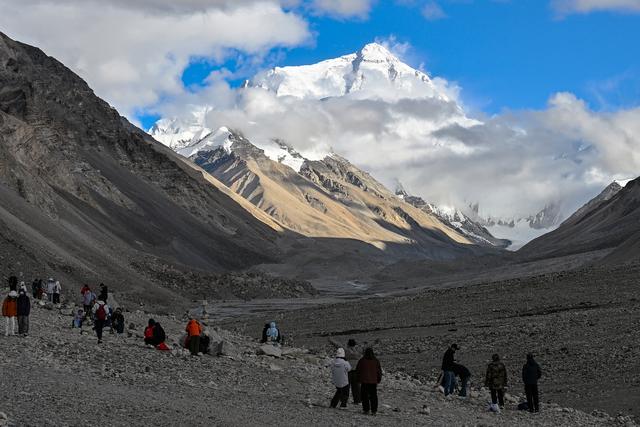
(133, 53)
(432, 11)
(565, 7)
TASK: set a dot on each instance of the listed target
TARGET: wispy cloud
(567, 7)
(432, 11)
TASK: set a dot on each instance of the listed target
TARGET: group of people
(495, 379)
(40, 290)
(359, 372)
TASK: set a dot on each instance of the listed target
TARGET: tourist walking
(340, 377)
(100, 314)
(448, 362)
(23, 311)
(531, 373)
(10, 312)
(496, 380)
(369, 376)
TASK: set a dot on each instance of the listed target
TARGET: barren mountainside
(85, 194)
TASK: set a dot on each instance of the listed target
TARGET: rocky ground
(58, 376)
(582, 325)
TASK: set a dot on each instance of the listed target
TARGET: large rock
(270, 350)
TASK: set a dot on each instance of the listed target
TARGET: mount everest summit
(371, 74)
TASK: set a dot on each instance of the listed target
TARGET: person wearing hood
(23, 310)
(10, 312)
(100, 314)
(531, 373)
(353, 353)
(273, 334)
(340, 377)
(496, 380)
(369, 376)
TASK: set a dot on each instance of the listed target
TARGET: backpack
(101, 313)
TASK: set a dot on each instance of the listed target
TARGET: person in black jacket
(531, 373)
(448, 362)
(24, 310)
(465, 375)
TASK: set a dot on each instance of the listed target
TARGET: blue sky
(504, 54)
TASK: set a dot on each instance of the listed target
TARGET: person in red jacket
(369, 375)
(10, 312)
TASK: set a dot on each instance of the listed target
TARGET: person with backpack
(10, 312)
(369, 376)
(496, 380)
(23, 310)
(100, 313)
(340, 376)
(194, 330)
(531, 373)
(448, 361)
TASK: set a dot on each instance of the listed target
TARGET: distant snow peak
(211, 141)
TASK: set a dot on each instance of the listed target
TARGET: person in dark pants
(340, 377)
(448, 361)
(100, 314)
(353, 353)
(496, 380)
(531, 373)
(465, 375)
(369, 376)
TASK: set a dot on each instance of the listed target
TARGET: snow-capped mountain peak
(371, 72)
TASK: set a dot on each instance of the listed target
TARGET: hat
(351, 342)
(13, 294)
(455, 346)
(340, 352)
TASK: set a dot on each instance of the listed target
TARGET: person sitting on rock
(78, 319)
(24, 310)
(496, 380)
(465, 375)
(340, 376)
(194, 330)
(273, 334)
(117, 321)
(10, 312)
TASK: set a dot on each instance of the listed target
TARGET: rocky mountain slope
(607, 222)
(58, 376)
(85, 194)
(327, 198)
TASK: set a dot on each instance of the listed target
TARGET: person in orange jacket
(10, 312)
(194, 330)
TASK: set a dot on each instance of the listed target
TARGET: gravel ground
(57, 376)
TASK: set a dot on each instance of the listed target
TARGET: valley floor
(582, 325)
(57, 376)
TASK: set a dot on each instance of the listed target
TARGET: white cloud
(343, 8)
(133, 53)
(565, 7)
(432, 11)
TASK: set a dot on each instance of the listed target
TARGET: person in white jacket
(340, 377)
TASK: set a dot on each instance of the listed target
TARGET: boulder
(270, 350)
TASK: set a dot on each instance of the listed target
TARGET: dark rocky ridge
(85, 193)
